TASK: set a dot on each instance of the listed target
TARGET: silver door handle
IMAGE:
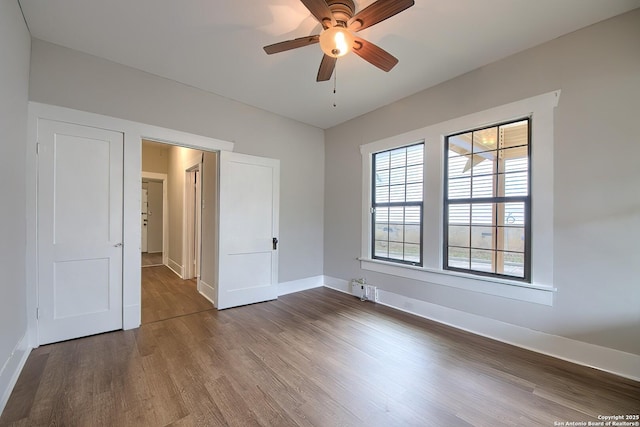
(117, 245)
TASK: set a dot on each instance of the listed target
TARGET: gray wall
(69, 78)
(209, 266)
(14, 86)
(154, 222)
(597, 176)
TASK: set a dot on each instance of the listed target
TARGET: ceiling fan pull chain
(335, 79)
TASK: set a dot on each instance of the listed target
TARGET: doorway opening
(182, 283)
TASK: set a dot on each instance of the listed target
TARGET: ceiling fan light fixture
(336, 41)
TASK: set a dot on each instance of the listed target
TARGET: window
(487, 201)
(397, 204)
(486, 204)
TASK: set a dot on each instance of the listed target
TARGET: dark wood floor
(314, 358)
(165, 295)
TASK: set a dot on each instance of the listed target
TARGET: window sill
(535, 293)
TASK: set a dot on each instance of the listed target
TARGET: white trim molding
(11, 369)
(602, 358)
(134, 133)
(541, 289)
(292, 286)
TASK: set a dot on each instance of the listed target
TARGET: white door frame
(165, 208)
(134, 133)
(190, 260)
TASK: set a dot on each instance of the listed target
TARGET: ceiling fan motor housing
(342, 10)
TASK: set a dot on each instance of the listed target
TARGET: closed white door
(80, 177)
(249, 206)
(144, 209)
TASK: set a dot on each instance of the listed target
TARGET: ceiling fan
(338, 37)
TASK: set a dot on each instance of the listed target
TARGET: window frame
(446, 202)
(540, 289)
(375, 204)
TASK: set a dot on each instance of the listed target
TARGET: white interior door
(80, 176)
(144, 221)
(249, 208)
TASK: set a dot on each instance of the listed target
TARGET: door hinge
(38, 313)
(37, 148)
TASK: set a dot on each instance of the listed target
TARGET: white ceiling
(217, 45)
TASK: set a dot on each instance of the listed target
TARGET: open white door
(249, 209)
(79, 231)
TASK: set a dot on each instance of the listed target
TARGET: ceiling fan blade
(321, 11)
(378, 12)
(374, 54)
(291, 44)
(327, 66)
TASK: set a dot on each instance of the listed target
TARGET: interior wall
(14, 87)
(209, 264)
(68, 78)
(155, 217)
(155, 158)
(596, 197)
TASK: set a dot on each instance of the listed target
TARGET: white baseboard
(207, 291)
(12, 368)
(605, 359)
(175, 267)
(292, 286)
(131, 316)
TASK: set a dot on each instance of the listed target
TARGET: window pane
(459, 235)
(397, 176)
(396, 193)
(411, 252)
(382, 194)
(513, 213)
(460, 144)
(414, 192)
(396, 250)
(396, 232)
(515, 159)
(514, 134)
(382, 177)
(482, 237)
(398, 158)
(414, 173)
(485, 139)
(412, 234)
(482, 213)
(381, 231)
(381, 249)
(460, 214)
(482, 260)
(459, 166)
(415, 154)
(513, 264)
(513, 184)
(484, 164)
(483, 186)
(382, 160)
(459, 188)
(511, 239)
(459, 257)
(412, 215)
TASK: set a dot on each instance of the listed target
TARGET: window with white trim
(487, 210)
(487, 202)
(397, 204)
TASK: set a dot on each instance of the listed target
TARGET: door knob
(117, 245)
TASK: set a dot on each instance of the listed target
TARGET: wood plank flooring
(165, 295)
(314, 358)
(153, 259)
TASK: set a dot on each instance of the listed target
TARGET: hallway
(165, 295)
